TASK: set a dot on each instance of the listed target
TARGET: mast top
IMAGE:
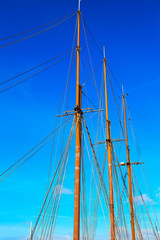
(104, 52)
(79, 5)
(122, 90)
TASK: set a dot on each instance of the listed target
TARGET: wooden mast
(78, 140)
(129, 174)
(109, 147)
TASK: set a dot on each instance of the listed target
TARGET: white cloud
(68, 237)
(148, 233)
(66, 191)
(145, 198)
(65, 237)
(138, 199)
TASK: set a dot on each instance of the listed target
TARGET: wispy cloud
(65, 237)
(66, 191)
(148, 233)
(145, 197)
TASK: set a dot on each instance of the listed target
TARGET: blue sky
(130, 32)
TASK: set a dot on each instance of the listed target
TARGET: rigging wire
(101, 180)
(51, 204)
(44, 30)
(58, 137)
(33, 29)
(94, 81)
(32, 75)
(145, 205)
(101, 52)
(53, 147)
(96, 205)
(119, 87)
(91, 183)
(85, 234)
(96, 183)
(63, 96)
(92, 36)
(139, 154)
(14, 166)
(65, 168)
(115, 99)
(127, 194)
(139, 210)
(31, 69)
(59, 185)
(92, 76)
(94, 219)
(89, 100)
(118, 193)
(99, 64)
(46, 197)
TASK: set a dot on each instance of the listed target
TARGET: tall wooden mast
(129, 174)
(78, 140)
(109, 147)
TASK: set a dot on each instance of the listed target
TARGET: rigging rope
(99, 64)
(139, 154)
(96, 205)
(93, 79)
(114, 99)
(85, 235)
(89, 100)
(92, 71)
(145, 205)
(119, 87)
(32, 75)
(126, 190)
(95, 182)
(92, 37)
(65, 151)
(44, 30)
(94, 220)
(63, 96)
(101, 53)
(19, 162)
(32, 29)
(31, 69)
(104, 190)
